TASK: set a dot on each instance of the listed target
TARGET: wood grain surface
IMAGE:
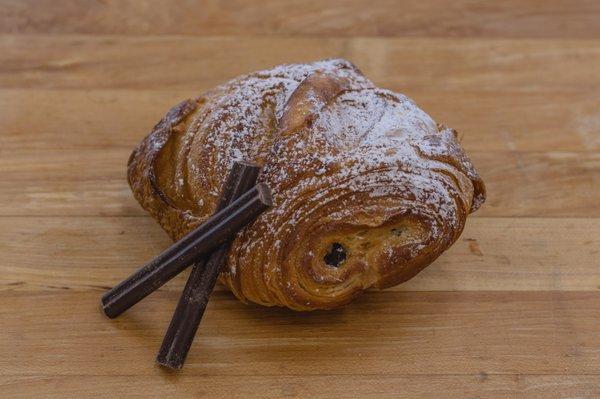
(512, 310)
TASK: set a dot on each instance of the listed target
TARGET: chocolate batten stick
(200, 284)
(205, 238)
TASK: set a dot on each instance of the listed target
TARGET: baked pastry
(367, 188)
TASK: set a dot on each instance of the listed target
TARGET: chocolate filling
(336, 255)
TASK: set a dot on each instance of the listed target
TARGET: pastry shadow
(373, 312)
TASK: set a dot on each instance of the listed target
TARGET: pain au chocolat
(367, 188)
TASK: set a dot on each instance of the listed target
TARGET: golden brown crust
(368, 190)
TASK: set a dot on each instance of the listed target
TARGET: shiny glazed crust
(368, 189)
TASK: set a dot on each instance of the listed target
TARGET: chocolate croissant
(367, 188)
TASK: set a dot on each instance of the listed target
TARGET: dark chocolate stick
(199, 286)
(189, 311)
(217, 229)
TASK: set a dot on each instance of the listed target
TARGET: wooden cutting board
(512, 310)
